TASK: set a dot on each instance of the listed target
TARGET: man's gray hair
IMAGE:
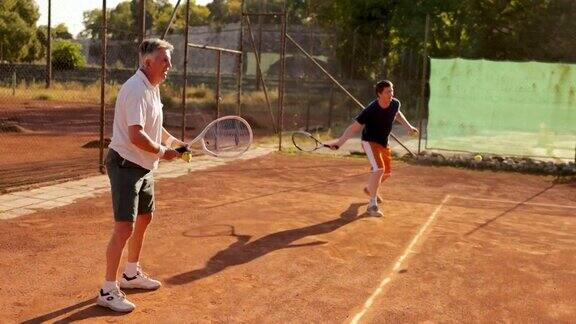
(150, 45)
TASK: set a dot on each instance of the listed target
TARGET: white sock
(372, 201)
(131, 269)
(109, 285)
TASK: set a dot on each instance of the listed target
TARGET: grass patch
(43, 97)
(61, 91)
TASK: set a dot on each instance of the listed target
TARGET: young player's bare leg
(374, 181)
(376, 160)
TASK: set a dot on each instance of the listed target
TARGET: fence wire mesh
(52, 134)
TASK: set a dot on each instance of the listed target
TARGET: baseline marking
(398, 264)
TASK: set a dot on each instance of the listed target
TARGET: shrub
(67, 55)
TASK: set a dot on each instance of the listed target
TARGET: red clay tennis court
(284, 238)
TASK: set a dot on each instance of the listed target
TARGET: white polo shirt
(138, 103)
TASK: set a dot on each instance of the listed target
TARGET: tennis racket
(305, 142)
(225, 137)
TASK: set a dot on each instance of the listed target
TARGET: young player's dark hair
(381, 85)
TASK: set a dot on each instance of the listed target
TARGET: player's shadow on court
(509, 210)
(241, 252)
(83, 310)
(237, 253)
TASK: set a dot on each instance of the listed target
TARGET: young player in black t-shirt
(377, 119)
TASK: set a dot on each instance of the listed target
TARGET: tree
(198, 17)
(67, 55)
(122, 19)
(60, 31)
(491, 29)
(17, 29)
(37, 49)
(92, 20)
(356, 25)
(218, 10)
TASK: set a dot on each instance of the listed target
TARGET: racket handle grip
(330, 146)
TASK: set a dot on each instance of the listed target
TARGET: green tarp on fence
(506, 108)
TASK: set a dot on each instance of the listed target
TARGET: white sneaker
(139, 281)
(116, 300)
(374, 211)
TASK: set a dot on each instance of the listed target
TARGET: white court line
(515, 202)
(398, 263)
(409, 250)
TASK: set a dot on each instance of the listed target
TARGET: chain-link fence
(51, 134)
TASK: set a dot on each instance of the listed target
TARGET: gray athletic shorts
(132, 188)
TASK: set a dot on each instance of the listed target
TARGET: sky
(70, 12)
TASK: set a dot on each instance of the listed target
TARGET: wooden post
(218, 81)
(49, 47)
(423, 81)
(185, 71)
(103, 84)
(331, 107)
(142, 21)
(281, 81)
(260, 21)
(240, 62)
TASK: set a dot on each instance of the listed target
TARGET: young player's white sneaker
(374, 211)
(116, 300)
(139, 281)
(378, 198)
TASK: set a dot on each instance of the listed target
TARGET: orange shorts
(378, 156)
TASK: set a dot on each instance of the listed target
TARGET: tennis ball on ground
(478, 158)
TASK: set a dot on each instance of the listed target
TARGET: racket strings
(228, 137)
(305, 142)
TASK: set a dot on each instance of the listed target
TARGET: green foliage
(17, 29)
(20, 40)
(199, 15)
(218, 10)
(122, 20)
(299, 11)
(491, 29)
(67, 55)
(60, 31)
(168, 101)
(201, 92)
(38, 47)
(92, 20)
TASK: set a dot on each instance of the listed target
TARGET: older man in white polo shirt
(134, 151)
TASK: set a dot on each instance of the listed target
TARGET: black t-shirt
(378, 121)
